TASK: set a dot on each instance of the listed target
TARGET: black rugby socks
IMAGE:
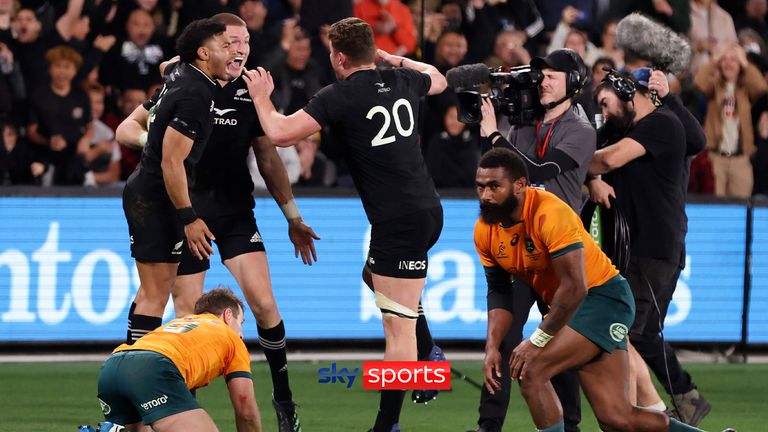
(272, 341)
(139, 325)
(424, 342)
(389, 410)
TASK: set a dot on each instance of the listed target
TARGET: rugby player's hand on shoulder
(199, 239)
(492, 370)
(303, 238)
(260, 83)
(525, 353)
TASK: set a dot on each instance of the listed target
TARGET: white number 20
(380, 139)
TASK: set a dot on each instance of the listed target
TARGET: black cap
(560, 60)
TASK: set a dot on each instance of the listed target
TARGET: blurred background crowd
(72, 70)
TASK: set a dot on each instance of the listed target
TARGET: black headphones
(576, 79)
(623, 85)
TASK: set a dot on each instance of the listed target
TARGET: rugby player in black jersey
(222, 196)
(375, 114)
(155, 199)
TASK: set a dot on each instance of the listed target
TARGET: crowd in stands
(71, 70)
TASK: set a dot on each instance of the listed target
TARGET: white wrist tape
(290, 210)
(539, 338)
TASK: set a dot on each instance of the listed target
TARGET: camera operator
(648, 174)
(556, 149)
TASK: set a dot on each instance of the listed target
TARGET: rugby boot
(424, 396)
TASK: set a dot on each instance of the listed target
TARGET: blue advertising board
(757, 330)
(66, 273)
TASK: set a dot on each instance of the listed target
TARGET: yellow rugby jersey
(201, 346)
(549, 228)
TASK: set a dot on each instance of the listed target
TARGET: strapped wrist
(493, 136)
(540, 338)
(290, 210)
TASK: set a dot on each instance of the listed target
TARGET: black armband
(186, 215)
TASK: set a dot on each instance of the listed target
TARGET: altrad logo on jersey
(220, 120)
(382, 89)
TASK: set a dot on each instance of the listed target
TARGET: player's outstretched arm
(275, 177)
(283, 131)
(439, 83)
(247, 417)
(132, 132)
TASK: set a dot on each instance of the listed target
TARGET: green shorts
(142, 386)
(606, 314)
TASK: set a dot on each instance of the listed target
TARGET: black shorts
(235, 235)
(399, 246)
(157, 235)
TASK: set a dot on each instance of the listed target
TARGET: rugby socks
(139, 325)
(424, 342)
(272, 341)
(389, 410)
(557, 427)
(676, 426)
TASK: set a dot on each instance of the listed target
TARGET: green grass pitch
(56, 397)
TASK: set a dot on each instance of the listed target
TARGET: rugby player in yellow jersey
(149, 382)
(530, 234)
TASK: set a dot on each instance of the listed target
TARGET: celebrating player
(376, 113)
(156, 199)
(222, 196)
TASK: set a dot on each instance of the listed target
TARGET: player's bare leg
(402, 297)
(186, 290)
(400, 333)
(146, 312)
(645, 393)
(251, 270)
(196, 420)
(605, 384)
(568, 349)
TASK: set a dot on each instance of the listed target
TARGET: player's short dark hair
(229, 19)
(353, 37)
(507, 159)
(195, 35)
(217, 300)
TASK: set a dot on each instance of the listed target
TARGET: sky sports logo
(391, 375)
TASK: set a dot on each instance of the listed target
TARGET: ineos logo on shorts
(618, 331)
(412, 265)
(154, 403)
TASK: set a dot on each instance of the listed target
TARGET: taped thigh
(390, 307)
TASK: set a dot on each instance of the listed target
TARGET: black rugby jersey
(375, 114)
(185, 103)
(221, 184)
